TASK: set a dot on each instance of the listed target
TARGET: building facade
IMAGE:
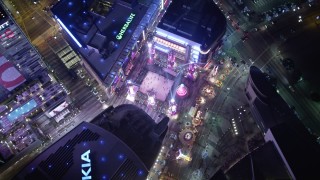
(27, 90)
(108, 39)
(120, 143)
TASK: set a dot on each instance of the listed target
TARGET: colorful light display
(183, 156)
(182, 90)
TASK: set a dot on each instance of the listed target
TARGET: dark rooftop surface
(260, 81)
(3, 15)
(272, 108)
(264, 163)
(136, 128)
(97, 24)
(300, 149)
(110, 157)
(200, 21)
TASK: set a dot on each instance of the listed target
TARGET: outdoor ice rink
(156, 83)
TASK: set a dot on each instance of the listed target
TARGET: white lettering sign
(86, 167)
(4, 25)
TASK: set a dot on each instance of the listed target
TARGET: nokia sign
(86, 165)
(125, 26)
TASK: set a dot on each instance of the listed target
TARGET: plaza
(155, 83)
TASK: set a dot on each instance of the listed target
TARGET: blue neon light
(101, 142)
(140, 172)
(197, 48)
(161, 34)
(17, 113)
(161, 49)
(176, 40)
(120, 156)
(103, 159)
(67, 30)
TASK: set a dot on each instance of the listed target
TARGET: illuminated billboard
(58, 109)
(10, 77)
(125, 26)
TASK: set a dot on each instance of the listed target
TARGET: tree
(315, 96)
(295, 76)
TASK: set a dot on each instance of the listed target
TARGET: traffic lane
(34, 13)
(223, 92)
(256, 45)
(21, 8)
(306, 110)
(235, 11)
(302, 52)
(290, 20)
(35, 25)
(303, 112)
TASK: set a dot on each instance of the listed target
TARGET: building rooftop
(108, 157)
(298, 147)
(200, 21)
(14, 50)
(262, 163)
(120, 143)
(261, 83)
(3, 15)
(137, 129)
(270, 105)
(106, 26)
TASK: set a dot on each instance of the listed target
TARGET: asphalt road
(261, 49)
(287, 38)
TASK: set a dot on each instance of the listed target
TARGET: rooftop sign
(125, 26)
(86, 167)
(4, 25)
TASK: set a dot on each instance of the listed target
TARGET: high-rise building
(19, 60)
(26, 88)
(266, 105)
(262, 163)
(288, 143)
(195, 28)
(289, 150)
(108, 34)
(120, 143)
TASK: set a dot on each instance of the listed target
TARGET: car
(291, 89)
(230, 12)
(244, 38)
(45, 9)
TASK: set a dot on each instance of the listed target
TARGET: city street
(219, 125)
